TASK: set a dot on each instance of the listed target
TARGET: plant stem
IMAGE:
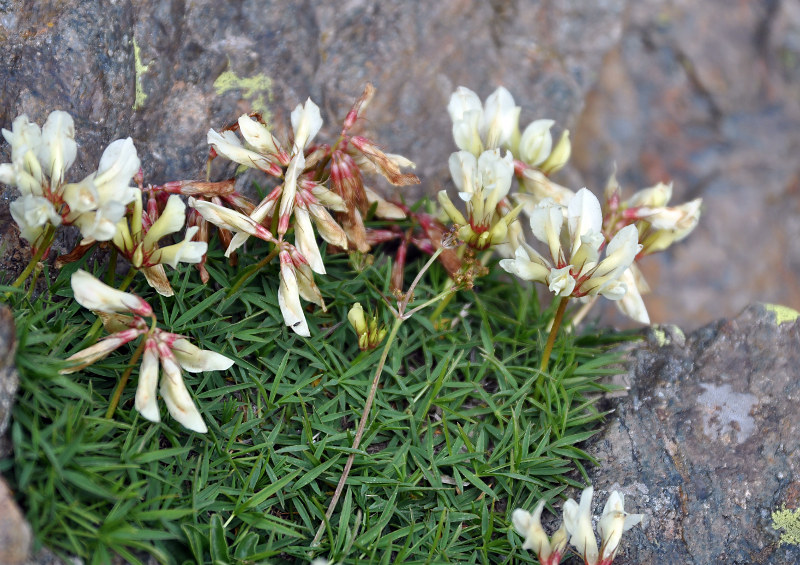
(112, 406)
(400, 317)
(47, 241)
(362, 424)
(551, 339)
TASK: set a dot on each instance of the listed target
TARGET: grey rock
(203, 63)
(706, 95)
(15, 532)
(706, 443)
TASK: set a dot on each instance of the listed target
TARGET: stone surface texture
(704, 93)
(705, 445)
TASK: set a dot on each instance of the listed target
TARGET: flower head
(613, 522)
(478, 127)
(370, 333)
(173, 351)
(40, 159)
(483, 184)
(575, 269)
(548, 550)
(138, 241)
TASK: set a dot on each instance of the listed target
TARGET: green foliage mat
(459, 436)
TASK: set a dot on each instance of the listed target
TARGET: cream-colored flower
(548, 551)
(32, 214)
(578, 522)
(482, 183)
(306, 123)
(613, 523)
(289, 297)
(577, 270)
(536, 142)
(95, 295)
(477, 127)
(139, 243)
(558, 156)
(175, 394)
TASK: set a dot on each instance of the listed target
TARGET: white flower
(228, 145)
(32, 213)
(575, 271)
(482, 183)
(632, 304)
(536, 142)
(96, 295)
(558, 156)
(578, 521)
(529, 526)
(196, 360)
(613, 523)
(257, 135)
(58, 148)
(99, 350)
(306, 123)
(477, 128)
(146, 403)
(289, 297)
(175, 394)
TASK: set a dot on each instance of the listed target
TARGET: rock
(709, 98)
(164, 72)
(706, 443)
(15, 532)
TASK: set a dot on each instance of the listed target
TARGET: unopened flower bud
(370, 333)
(559, 156)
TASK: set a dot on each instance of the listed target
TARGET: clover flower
(173, 351)
(613, 523)
(138, 242)
(548, 550)
(658, 225)
(40, 159)
(576, 271)
(483, 184)
(478, 127)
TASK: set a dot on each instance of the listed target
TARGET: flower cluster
(40, 158)
(174, 351)
(302, 201)
(658, 226)
(577, 528)
(576, 271)
(482, 183)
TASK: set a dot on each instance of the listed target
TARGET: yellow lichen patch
(789, 521)
(257, 89)
(662, 336)
(140, 68)
(782, 313)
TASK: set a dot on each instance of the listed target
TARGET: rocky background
(706, 93)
